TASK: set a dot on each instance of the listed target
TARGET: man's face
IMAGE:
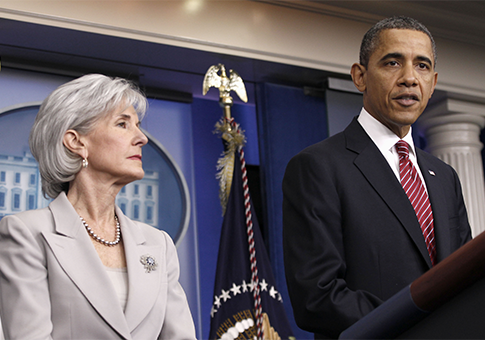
(399, 79)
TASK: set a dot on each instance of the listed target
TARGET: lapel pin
(149, 263)
(431, 172)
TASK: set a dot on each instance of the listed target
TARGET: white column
(452, 129)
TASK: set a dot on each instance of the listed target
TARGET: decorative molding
(439, 16)
(179, 41)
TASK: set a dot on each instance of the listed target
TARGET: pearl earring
(85, 163)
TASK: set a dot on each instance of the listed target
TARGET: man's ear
(73, 142)
(435, 81)
(358, 73)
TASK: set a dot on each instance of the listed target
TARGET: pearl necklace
(101, 240)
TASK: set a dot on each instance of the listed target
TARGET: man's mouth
(407, 99)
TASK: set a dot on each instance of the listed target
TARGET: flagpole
(230, 317)
(216, 77)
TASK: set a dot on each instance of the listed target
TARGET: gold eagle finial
(216, 77)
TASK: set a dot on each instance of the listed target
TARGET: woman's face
(114, 147)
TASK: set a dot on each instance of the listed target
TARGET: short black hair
(371, 37)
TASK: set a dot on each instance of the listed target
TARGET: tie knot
(402, 148)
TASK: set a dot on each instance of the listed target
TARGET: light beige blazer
(53, 285)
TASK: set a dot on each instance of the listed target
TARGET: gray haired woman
(79, 268)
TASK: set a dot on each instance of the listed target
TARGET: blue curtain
(288, 121)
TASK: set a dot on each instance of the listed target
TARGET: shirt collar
(380, 134)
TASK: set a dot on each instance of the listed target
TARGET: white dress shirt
(386, 140)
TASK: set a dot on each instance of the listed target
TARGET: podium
(446, 302)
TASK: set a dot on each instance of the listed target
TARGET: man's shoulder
(337, 150)
(339, 143)
(329, 153)
(330, 144)
(432, 163)
(431, 159)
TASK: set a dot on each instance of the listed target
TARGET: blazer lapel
(76, 255)
(438, 205)
(144, 287)
(376, 170)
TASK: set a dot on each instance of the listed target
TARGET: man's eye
(122, 124)
(423, 66)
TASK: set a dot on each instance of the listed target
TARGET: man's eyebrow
(397, 55)
(425, 59)
(392, 55)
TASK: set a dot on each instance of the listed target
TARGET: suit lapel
(376, 170)
(144, 286)
(76, 255)
(438, 205)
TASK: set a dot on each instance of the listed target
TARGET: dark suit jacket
(351, 237)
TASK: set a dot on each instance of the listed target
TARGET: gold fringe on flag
(233, 139)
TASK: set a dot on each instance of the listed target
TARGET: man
(353, 234)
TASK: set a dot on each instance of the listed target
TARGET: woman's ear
(358, 73)
(73, 142)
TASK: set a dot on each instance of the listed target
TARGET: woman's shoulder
(30, 222)
(28, 217)
(152, 233)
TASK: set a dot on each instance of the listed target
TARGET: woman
(80, 269)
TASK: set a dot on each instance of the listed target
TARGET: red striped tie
(414, 188)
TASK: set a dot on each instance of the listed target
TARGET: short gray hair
(371, 38)
(77, 105)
